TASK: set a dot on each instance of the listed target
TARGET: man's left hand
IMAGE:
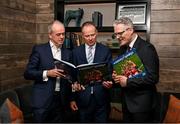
(107, 84)
(122, 80)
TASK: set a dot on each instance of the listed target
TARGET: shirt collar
(133, 41)
(93, 47)
(53, 46)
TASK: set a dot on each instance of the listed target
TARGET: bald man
(50, 90)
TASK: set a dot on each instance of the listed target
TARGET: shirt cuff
(45, 78)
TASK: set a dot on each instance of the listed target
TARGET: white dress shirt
(133, 41)
(56, 52)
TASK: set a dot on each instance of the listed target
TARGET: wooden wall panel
(168, 86)
(17, 26)
(168, 51)
(165, 27)
(165, 4)
(44, 18)
(17, 36)
(165, 15)
(3, 36)
(165, 35)
(169, 80)
(14, 38)
(24, 27)
(17, 15)
(166, 75)
(24, 23)
(26, 38)
(41, 38)
(4, 2)
(23, 5)
(170, 63)
(15, 48)
(10, 73)
(44, 1)
(42, 28)
(13, 82)
(3, 25)
(45, 8)
(165, 39)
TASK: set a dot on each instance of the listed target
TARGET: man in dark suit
(93, 103)
(139, 95)
(51, 89)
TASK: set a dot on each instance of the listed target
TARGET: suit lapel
(83, 54)
(49, 54)
(137, 43)
(63, 54)
(97, 53)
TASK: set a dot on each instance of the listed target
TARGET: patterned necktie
(90, 55)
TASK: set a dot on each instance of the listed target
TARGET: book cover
(85, 73)
(67, 67)
(129, 65)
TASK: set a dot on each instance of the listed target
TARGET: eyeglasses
(119, 34)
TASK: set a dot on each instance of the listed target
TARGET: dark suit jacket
(102, 54)
(42, 59)
(140, 93)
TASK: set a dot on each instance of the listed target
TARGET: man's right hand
(55, 73)
(73, 106)
(77, 87)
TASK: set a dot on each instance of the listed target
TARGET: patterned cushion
(173, 111)
(10, 113)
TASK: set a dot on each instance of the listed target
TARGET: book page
(82, 65)
(67, 63)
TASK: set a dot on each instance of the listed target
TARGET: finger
(75, 108)
(60, 70)
(73, 89)
(83, 88)
(107, 84)
(61, 75)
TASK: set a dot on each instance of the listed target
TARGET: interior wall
(44, 16)
(17, 34)
(165, 35)
(24, 23)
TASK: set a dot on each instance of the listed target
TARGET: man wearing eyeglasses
(139, 95)
(50, 90)
(93, 102)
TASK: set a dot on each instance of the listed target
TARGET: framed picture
(136, 12)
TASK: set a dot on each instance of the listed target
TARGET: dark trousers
(53, 114)
(137, 117)
(94, 112)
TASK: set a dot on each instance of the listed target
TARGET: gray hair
(50, 27)
(124, 20)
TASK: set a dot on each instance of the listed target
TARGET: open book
(129, 65)
(85, 73)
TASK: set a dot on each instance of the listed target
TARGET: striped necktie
(90, 55)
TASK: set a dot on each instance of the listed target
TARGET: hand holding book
(119, 79)
(55, 73)
(77, 87)
(129, 65)
(85, 73)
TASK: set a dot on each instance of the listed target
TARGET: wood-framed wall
(24, 23)
(165, 35)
